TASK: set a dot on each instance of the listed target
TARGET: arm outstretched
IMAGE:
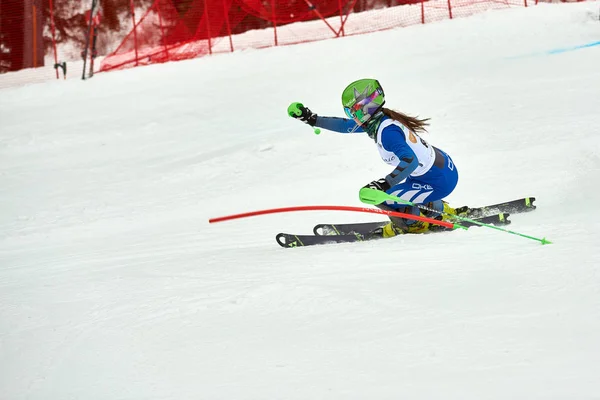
(343, 125)
(336, 124)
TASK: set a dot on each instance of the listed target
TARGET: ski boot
(412, 226)
(444, 211)
(392, 229)
(438, 210)
(389, 230)
(420, 227)
(448, 211)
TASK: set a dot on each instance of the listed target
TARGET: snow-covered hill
(114, 286)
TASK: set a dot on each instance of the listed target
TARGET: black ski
(359, 233)
(345, 229)
(290, 240)
(511, 207)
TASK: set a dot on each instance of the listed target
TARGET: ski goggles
(356, 110)
(354, 114)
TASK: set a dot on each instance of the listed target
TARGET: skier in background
(422, 174)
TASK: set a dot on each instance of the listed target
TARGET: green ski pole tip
(544, 241)
(317, 131)
(457, 226)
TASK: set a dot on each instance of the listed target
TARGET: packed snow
(113, 285)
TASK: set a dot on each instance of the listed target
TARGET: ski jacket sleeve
(393, 139)
(342, 125)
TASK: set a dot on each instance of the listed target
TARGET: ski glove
(298, 111)
(380, 184)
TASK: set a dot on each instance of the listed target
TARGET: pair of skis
(496, 214)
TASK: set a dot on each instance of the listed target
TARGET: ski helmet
(362, 99)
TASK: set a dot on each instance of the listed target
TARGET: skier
(423, 174)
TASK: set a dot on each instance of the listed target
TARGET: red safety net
(169, 31)
(40, 37)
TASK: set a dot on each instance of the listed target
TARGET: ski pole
(292, 113)
(374, 197)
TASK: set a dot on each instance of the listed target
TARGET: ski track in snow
(114, 285)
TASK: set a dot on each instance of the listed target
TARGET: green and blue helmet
(363, 99)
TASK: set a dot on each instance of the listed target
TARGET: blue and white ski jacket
(398, 146)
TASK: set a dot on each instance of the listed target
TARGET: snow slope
(114, 286)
